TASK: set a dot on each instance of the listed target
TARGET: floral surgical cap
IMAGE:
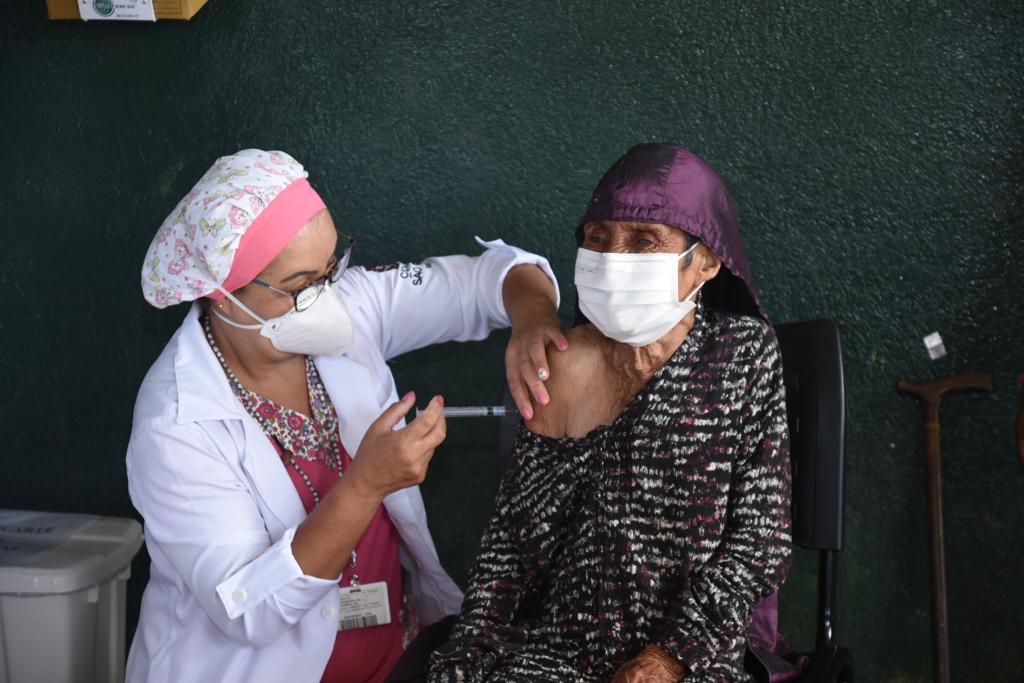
(236, 219)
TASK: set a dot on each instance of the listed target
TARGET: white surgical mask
(632, 298)
(323, 329)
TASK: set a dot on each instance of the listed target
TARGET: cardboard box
(165, 9)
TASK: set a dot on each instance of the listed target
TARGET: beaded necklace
(324, 417)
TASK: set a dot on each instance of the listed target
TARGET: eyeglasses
(307, 296)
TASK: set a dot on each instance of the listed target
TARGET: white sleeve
(202, 521)
(447, 298)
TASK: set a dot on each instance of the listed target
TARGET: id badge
(364, 606)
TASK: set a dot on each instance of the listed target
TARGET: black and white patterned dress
(664, 528)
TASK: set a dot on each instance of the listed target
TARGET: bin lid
(55, 552)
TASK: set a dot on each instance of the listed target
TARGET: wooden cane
(930, 394)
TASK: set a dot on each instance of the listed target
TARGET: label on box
(119, 10)
(364, 606)
(25, 534)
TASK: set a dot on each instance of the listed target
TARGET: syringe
(472, 411)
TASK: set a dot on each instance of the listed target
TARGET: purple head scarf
(666, 183)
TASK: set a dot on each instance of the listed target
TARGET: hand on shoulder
(574, 373)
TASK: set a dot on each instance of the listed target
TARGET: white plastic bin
(62, 596)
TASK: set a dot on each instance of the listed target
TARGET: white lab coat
(226, 600)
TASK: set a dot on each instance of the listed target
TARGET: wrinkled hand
(389, 459)
(653, 665)
(526, 362)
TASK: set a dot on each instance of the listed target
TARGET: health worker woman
(269, 457)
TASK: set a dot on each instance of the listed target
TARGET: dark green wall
(874, 149)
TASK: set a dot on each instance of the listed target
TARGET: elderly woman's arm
(485, 631)
(753, 557)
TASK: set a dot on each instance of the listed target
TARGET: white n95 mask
(323, 329)
(632, 298)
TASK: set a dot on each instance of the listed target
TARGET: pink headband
(270, 232)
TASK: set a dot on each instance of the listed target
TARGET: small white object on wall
(936, 349)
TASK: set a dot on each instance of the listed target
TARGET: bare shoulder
(573, 372)
(580, 360)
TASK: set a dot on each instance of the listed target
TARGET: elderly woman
(647, 508)
(268, 455)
